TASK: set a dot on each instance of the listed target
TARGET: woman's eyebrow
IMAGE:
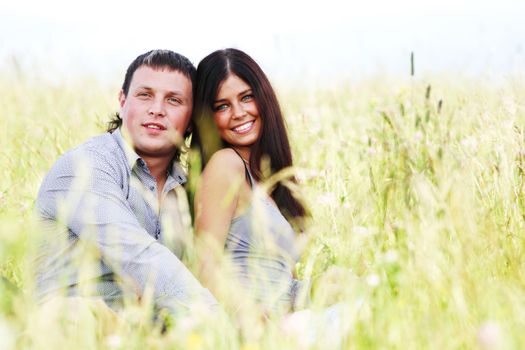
(239, 94)
(220, 100)
(244, 92)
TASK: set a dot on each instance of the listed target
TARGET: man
(110, 204)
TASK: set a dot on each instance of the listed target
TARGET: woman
(237, 112)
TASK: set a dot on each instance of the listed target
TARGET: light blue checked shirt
(105, 234)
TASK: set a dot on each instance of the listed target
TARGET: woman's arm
(217, 198)
(217, 194)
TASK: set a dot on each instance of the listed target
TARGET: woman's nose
(238, 110)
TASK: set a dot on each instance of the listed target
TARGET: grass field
(417, 188)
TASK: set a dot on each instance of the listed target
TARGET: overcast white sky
(293, 38)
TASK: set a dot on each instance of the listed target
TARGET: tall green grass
(416, 188)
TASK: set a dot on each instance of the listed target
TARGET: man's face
(156, 111)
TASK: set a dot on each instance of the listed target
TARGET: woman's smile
(244, 128)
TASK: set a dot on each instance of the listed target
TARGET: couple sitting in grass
(115, 208)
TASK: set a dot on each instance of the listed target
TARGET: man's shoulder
(97, 162)
(104, 145)
(98, 148)
(101, 151)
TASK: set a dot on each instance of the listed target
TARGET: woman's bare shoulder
(225, 161)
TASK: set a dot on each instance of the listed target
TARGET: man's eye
(143, 94)
(173, 100)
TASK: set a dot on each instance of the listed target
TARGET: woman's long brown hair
(273, 139)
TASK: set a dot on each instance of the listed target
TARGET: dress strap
(246, 170)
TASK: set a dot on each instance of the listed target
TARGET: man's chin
(156, 152)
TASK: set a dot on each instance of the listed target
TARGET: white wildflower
(300, 326)
(469, 143)
(390, 257)
(373, 280)
(418, 136)
(489, 335)
(113, 341)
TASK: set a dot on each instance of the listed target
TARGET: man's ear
(121, 98)
(189, 129)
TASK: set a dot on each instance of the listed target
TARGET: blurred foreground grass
(416, 188)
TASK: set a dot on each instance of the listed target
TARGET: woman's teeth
(243, 127)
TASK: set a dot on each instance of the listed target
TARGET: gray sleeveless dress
(261, 244)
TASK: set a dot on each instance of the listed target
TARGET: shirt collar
(132, 158)
(178, 173)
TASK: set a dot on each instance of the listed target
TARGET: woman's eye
(221, 107)
(143, 94)
(173, 100)
(246, 98)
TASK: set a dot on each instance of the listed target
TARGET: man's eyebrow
(172, 92)
(175, 93)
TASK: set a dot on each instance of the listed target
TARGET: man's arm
(83, 191)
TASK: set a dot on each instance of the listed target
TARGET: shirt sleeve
(83, 191)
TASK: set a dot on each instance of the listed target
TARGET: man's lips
(154, 126)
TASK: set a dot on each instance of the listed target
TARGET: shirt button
(151, 188)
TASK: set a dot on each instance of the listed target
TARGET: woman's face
(235, 113)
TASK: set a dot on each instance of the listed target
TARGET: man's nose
(157, 107)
